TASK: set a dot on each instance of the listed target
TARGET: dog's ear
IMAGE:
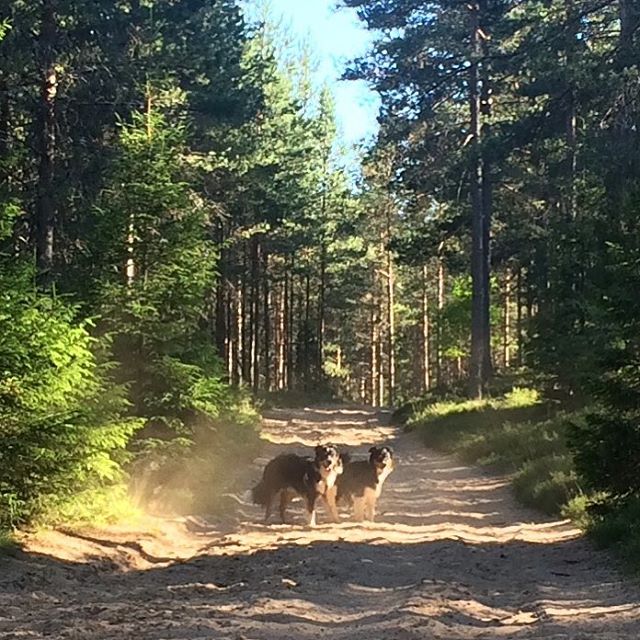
(373, 450)
(319, 449)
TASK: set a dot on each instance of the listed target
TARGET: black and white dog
(289, 474)
(362, 480)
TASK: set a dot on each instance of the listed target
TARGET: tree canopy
(180, 229)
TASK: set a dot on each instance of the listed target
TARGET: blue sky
(334, 37)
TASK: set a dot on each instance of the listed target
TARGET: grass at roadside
(518, 433)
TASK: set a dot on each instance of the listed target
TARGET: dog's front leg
(330, 498)
(284, 500)
(358, 508)
(268, 507)
(311, 518)
(370, 505)
(370, 511)
(311, 511)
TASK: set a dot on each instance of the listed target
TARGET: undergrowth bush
(612, 524)
(546, 483)
(606, 445)
(445, 424)
(61, 430)
(186, 469)
(509, 445)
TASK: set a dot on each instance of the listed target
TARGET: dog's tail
(259, 493)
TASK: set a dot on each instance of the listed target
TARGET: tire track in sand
(452, 556)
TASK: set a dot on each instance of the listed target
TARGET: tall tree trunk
(240, 342)
(288, 322)
(441, 274)
(266, 320)
(5, 123)
(426, 373)
(571, 251)
(487, 197)
(221, 295)
(282, 333)
(45, 214)
(391, 318)
(255, 314)
(506, 336)
(275, 304)
(380, 351)
(307, 299)
(570, 111)
(306, 346)
(231, 345)
(247, 318)
(531, 303)
(374, 353)
(480, 192)
(519, 336)
(629, 25)
(572, 157)
(321, 305)
(130, 264)
(295, 322)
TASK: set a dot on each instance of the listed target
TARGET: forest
(183, 239)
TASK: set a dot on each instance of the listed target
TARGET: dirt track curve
(452, 556)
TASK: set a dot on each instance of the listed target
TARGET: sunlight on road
(451, 556)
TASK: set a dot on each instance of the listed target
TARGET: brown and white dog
(289, 474)
(362, 481)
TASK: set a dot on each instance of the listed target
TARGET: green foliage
(190, 474)
(60, 425)
(154, 264)
(606, 443)
(443, 424)
(509, 445)
(606, 446)
(547, 483)
(96, 507)
(47, 361)
(134, 204)
(612, 526)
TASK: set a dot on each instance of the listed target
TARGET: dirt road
(452, 556)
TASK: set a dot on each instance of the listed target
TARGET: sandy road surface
(452, 556)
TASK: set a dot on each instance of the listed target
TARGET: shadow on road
(452, 556)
